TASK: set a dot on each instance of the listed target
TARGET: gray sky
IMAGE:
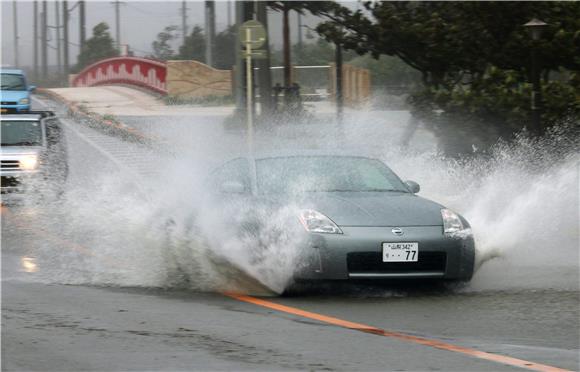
(141, 21)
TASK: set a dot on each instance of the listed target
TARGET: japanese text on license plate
(400, 252)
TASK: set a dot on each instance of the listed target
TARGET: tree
(320, 52)
(285, 7)
(473, 57)
(194, 46)
(389, 73)
(226, 46)
(162, 46)
(99, 46)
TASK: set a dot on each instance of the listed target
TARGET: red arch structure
(142, 72)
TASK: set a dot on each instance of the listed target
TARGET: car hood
(13, 95)
(10, 151)
(377, 209)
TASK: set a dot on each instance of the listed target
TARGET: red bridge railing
(142, 72)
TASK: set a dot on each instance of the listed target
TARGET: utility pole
(44, 44)
(229, 13)
(299, 31)
(15, 18)
(338, 88)
(118, 24)
(65, 37)
(183, 21)
(35, 41)
(243, 14)
(58, 40)
(286, 42)
(239, 76)
(82, 23)
(209, 31)
(264, 75)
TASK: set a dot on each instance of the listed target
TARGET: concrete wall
(195, 79)
(356, 84)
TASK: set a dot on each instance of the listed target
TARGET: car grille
(9, 164)
(9, 181)
(372, 262)
(8, 103)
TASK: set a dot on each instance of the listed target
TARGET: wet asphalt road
(50, 326)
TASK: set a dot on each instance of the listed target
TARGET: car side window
(235, 171)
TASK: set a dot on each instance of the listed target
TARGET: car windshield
(12, 82)
(21, 133)
(325, 174)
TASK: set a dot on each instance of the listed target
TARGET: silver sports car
(358, 219)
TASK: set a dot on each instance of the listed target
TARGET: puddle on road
(521, 200)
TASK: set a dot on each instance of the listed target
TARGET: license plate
(400, 252)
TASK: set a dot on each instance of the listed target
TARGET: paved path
(148, 114)
(119, 100)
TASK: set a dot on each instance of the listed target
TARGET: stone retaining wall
(192, 79)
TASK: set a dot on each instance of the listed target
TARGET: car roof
(312, 153)
(21, 117)
(12, 71)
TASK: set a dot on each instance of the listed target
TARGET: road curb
(97, 121)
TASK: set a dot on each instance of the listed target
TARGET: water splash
(521, 200)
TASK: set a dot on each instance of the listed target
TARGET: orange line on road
(397, 335)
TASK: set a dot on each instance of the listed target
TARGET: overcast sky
(141, 21)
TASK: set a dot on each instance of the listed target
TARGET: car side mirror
(32, 88)
(232, 187)
(413, 186)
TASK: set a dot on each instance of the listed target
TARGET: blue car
(14, 91)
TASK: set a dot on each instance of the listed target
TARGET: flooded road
(84, 281)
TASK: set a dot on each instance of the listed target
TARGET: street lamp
(535, 28)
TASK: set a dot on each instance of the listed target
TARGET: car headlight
(314, 221)
(29, 162)
(24, 101)
(452, 224)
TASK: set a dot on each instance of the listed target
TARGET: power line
(74, 6)
(140, 51)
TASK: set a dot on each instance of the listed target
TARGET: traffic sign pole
(252, 35)
(249, 98)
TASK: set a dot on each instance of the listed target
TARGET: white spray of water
(521, 203)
